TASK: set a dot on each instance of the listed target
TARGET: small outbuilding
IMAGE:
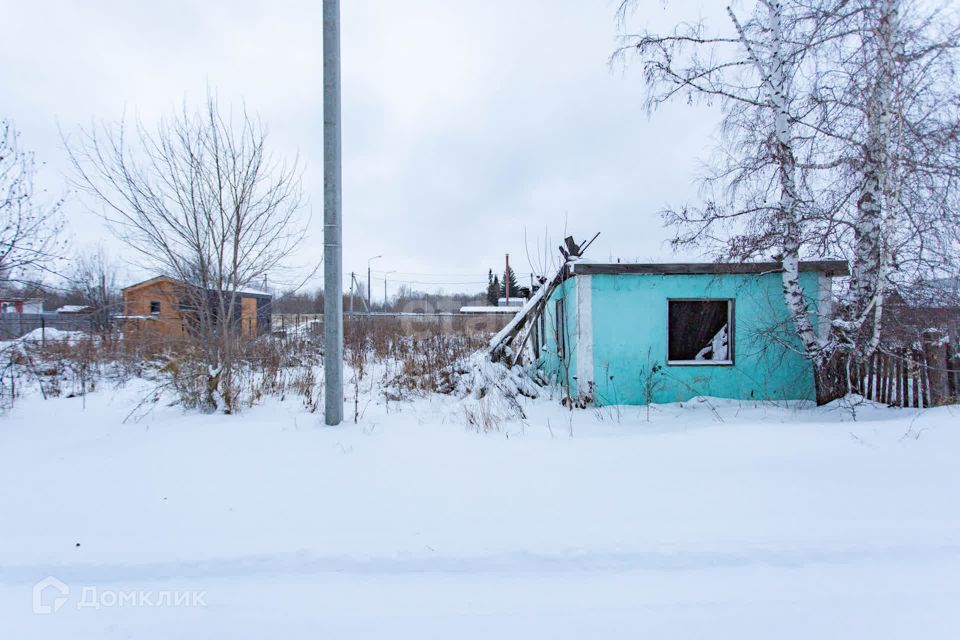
(641, 333)
(21, 305)
(497, 311)
(75, 310)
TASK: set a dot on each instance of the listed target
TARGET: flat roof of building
(826, 267)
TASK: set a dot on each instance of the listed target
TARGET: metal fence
(295, 324)
(17, 325)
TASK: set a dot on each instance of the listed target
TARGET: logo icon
(49, 595)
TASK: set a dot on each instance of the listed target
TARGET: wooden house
(161, 306)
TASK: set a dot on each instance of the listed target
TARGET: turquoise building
(639, 333)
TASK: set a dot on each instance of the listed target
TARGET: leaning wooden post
(898, 385)
(935, 353)
(894, 379)
(904, 378)
(956, 373)
(881, 378)
(890, 368)
(953, 360)
(916, 373)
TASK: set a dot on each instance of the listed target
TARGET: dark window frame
(560, 327)
(731, 335)
(154, 304)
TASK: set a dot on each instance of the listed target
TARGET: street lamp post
(369, 281)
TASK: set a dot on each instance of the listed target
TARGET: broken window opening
(700, 332)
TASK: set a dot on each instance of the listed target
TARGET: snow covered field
(719, 519)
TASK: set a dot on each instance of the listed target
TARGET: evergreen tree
(493, 289)
(511, 277)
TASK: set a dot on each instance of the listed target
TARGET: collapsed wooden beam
(534, 306)
(526, 318)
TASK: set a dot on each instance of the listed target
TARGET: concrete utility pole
(506, 280)
(355, 284)
(369, 281)
(385, 298)
(332, 217)
(352, 280)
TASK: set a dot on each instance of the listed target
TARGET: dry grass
(415, 356)
(400, 356)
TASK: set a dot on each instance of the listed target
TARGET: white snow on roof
(74, 308)
(254, 292)
(503, 310)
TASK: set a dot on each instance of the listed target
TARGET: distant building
(21, 305)
(504, 310)
(910, 312)
(74, 310)
(161, 306)
(504, 307)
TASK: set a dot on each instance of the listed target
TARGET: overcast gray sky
(467, 124)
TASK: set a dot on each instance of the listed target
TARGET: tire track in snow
(306, 563)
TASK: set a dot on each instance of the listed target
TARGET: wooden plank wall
(911, 377)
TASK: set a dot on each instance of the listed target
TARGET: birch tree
(752, 71)
(839, 139)
(887, 129)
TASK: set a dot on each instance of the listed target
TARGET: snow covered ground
(714, 519)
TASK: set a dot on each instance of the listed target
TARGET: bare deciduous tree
(201, 200)
(95, 281)
(29, 232)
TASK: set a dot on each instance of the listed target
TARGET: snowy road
(721, 521)
(899, 595)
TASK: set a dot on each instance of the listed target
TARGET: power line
(398, 281)
(441, 274)
(409, 281)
